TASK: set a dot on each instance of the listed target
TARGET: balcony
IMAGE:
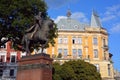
(105, 47)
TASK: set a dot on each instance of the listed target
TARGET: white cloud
(107, 18)
(58, 18)
(77, 15)
(111, 13)
(115, 28)
(114, 8)
(111, 16)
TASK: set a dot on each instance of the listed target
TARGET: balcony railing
(69, 57)
(3, 63)
(105, 47)
(9, 78)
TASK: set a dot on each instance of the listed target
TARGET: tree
(56, 71)
(18, 15)
(59, 55)
(76, 70)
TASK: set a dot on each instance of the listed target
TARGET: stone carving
(35, 66)
(38, 33)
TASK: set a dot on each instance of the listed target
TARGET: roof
(95, 20)
(70, 24)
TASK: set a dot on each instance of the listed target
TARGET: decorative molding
(34, 66)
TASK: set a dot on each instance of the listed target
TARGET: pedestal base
(35, 67)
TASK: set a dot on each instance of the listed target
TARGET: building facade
(88, 42)
(117, 75)
(8, 61)
(75, 40)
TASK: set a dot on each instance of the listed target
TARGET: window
(65, 40)
(76, 27)
(2, 58)
(74, 52)
(13, 58)
(97, 67)
(65, 52)
(1, 73)
(79, 40)
(12, 72)
(59, 51)
(73, 40)
(79, 52)
(104, 42)
(109, 72)
(95, 53)
(62, 26)
(95, 41)
(59, 40)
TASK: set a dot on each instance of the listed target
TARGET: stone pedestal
(35, 67)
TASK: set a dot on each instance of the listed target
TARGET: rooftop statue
(37, 34)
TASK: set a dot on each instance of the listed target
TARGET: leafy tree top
(75, 70)
(18, 15)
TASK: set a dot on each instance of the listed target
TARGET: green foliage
(53, 34)
(57, 71)
(18, 15)
(76, 70)
(59, 55)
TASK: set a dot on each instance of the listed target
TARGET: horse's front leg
(43, 46)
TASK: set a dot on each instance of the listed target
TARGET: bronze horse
(41, 36)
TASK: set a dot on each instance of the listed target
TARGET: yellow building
(88, 42)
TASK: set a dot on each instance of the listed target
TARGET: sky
(108, 10)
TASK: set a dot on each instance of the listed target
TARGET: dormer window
(76, 26)
(62, 26)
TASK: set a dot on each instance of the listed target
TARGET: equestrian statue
(38, 33)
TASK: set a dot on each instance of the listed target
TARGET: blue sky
(108, 10)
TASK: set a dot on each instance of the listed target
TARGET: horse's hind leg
(27, 47)
(23, 43)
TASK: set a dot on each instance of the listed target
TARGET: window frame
(60, 40)
(79, 40)
(74, 52)
(13, 54)
(12, 72)
(65, 52)
(65, 40)
(95, 53)
(95, 40)
(79, 55)
(59, 50)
